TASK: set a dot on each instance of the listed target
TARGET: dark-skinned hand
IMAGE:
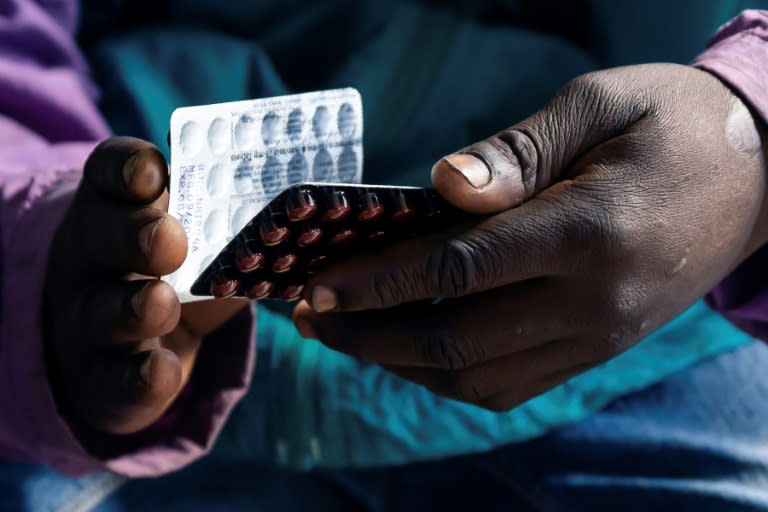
(121, 345)
(612, 209)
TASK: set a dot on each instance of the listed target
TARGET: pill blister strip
(312, 225)
(229, 160)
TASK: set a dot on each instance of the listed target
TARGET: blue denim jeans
(696, 441)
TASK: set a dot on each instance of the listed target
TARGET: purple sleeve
(48, 125)
(738, 55)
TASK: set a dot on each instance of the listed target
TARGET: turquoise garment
(433, 79)
(320, 408)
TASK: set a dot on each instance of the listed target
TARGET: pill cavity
(322, 166)
(243, 216)
(292, 292)
(294, 127)
(403, 212)
(298, 169)
(215, 227)
(245, 132)
(300, 205)
(220, 182)
(191, 138)
(244, 176)
(372, 208)
(321, 123)
(309, 236)
(346, 121)
(218, 136)
(284, 263)
(338, 206)
(247, 261)
(270, 175)
(343, 237)
(223, 288)
(270, 129)
(347, 165)
(271, 233)
(261, 290)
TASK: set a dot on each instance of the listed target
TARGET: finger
(510, 247)
(117, 239)
(119, 311)
(511, 166)
(126, 168)
(517, 377)
(454, 334)
(126, 393)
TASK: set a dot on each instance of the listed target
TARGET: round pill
(292, 292)
(403, 215)
(244, 175)
(270, 175)
(347, 165)
(343, 237)
(404, 212)
(294, 128)
(284, 263)
(372, 208)
(309, 237)
(245, 132)
(322, 166)
(300, 205)
(191, 138)
(218, 136)
(338, 207)
(248, 262)
(321, 123)
(215, 228)
(275, 236)
(270, 129)
(298, 169)
(261, 290)
(224, 288)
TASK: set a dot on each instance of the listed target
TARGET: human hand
(121, 346)
(615, 207)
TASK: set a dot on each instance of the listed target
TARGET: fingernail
(305, 329)
(145, 370)
(147, 234)
(323, 299)
(472, 168)
(137, 301)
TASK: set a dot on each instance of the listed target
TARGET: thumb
(505, 170)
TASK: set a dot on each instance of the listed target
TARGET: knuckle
(391, 287)
(445, 349)
(456, 267)
(605, 230)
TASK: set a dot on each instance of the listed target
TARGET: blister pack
(229, 160)
(311, 225)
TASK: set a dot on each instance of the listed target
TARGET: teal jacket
(434, 77)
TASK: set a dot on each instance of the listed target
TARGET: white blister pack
(229, 160)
